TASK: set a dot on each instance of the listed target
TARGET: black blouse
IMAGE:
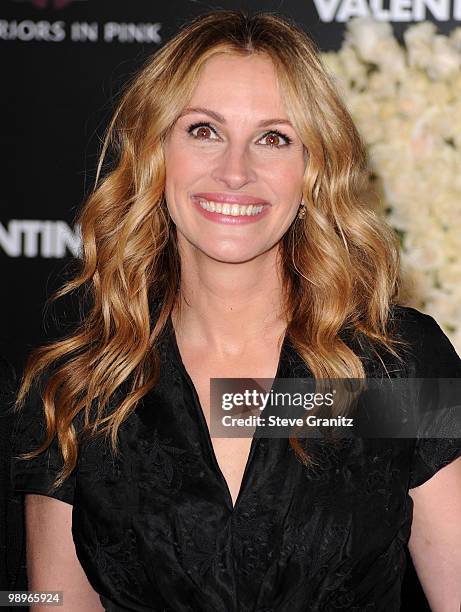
(154, 529)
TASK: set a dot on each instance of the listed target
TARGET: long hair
(339, 264)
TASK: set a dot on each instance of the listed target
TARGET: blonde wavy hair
(340, 263)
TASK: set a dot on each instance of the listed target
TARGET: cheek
(287, 181)
(182, 175)
(183, 168)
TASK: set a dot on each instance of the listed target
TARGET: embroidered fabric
(155, 529)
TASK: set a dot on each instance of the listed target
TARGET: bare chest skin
(231, 453)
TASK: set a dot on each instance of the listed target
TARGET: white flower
(376, 44)
(452, 245)
(435, 53)
(446, 207)
(445, 123)
(418, 41)
(425, 251)
(354, 69)
(366, 35)
(332, 62)
(446, 60)
(401, 218)
(335, 69)
(455, 38)
(445, 309)
(382, 86)
(449, 277)
(418, 283)
(411, 102)
(423, 139)
(364, 108)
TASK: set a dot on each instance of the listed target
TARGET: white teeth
(230, 209)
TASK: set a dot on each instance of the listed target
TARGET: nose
(234, 167)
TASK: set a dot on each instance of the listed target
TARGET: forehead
(247, 84)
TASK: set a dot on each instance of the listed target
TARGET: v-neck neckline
(254, 442)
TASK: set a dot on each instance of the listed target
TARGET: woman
(229, 240)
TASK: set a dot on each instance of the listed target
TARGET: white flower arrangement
(406, 103)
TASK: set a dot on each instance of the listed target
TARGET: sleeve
(38, 474)
(437, 358)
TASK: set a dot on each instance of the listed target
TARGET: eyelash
(194, 126)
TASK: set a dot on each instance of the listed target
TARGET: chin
(234, 258)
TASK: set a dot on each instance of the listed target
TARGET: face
(234, 163)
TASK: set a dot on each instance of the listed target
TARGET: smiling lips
(232, 209)
(230, 205)
(230, 198)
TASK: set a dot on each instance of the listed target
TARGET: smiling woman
(230, 239)
(233, 167)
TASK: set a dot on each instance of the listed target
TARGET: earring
(302, 211)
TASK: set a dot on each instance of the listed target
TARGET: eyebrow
(218, 117)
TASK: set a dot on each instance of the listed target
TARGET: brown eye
(276, 139)
(273, 140)
(203, 132)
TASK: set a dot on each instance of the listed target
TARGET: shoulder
(424, 349)
(428, 350)
(411, 322)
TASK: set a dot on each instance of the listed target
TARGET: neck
(228, 307)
